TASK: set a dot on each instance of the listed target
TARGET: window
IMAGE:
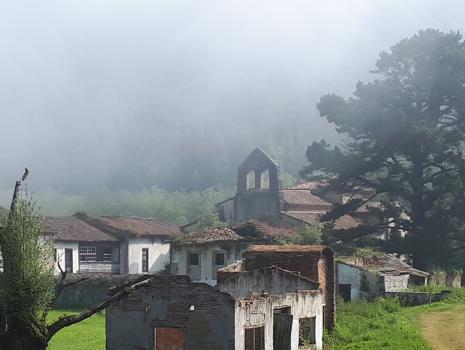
(265, 180)
(218, 259)
(145, 260)
(307, 331)
(193, 259)
(255, 338)
(87, 254)
(250, 179)
(107, 254)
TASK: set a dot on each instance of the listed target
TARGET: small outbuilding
(368, 277)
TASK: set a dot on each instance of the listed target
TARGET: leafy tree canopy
(404, 139)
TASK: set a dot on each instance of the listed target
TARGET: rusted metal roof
(73, 229)
(209, 236)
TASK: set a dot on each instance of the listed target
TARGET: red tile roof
(74, 229)
(344, 222)
(210, 235)
(136, 226)
(287, 248)
(303, 199)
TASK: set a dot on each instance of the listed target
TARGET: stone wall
(417, 298)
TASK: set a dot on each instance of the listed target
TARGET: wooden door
(282, 325)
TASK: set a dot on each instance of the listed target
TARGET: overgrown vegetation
(383, 324)
(309, 234)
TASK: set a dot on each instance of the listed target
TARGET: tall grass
(383, 324)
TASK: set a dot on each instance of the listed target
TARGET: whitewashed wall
(179, 259)
(258, 312)
(159, 254)
(60, 251)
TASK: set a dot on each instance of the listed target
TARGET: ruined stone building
(263, 309)
(314, 262)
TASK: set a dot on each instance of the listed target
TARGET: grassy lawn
(86, 335)
(384, 324)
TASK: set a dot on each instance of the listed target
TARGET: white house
(110, 244)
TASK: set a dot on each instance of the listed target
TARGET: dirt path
(445, 330)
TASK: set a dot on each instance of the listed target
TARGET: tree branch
(18, 184)
(66, 321)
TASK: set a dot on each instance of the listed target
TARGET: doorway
(282, 326)
(69, 260)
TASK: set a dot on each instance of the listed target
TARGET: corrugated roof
(136, 226)
(209, 236)
(74, 229)
(386, 264)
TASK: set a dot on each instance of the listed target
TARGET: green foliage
(384, 323)
(309, 234)
(209, 220)
(178, 207)
(404, 134)
(27, 282)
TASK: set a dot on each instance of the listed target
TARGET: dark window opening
(344, 291)
(255, 338)
(87, 254)
(193, 259)
(307, 331)
(145, 260)
(107, 254)
(219, 259)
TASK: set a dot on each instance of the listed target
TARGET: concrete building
(265, 309)
(375, 275)
(110, 244)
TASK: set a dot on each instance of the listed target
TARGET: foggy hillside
(127, 95)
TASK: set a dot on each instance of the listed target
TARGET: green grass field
(86, 335)
(360, 325)
(384, 324)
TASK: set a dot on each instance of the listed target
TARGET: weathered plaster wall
(363, 283)
(315, 266)
(258, 311)
(167, 302)
(233, 252)
(271, 280)
(60, 251)
(396, 283)
(254, 205)
(159, 254)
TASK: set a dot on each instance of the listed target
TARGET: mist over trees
(404, 140)
(121, 96)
